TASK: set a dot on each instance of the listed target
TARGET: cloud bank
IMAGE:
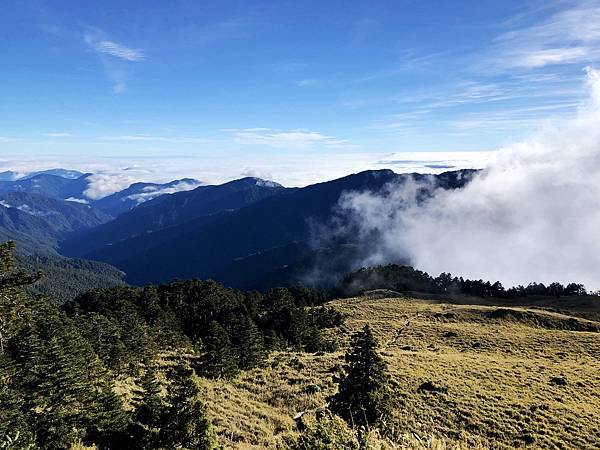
(532, 215)
(151, 192)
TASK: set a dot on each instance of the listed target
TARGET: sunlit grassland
(497, 379)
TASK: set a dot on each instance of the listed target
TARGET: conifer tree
(186, 424)
(364, 395)
(326, 433)
(149, 412)
(313, 340)
(13, 305)
(15, 431)
(219, 358)
(248, 340)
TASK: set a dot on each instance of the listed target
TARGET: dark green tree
(186, 421)
(149, 412)
(14, 307)
(326, 433)
(219, 358)
(364, 395)
(15, 431)
(248, 340)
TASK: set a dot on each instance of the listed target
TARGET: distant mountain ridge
(73, 186)
(227, 244)
(205, 203)
(139, 193)
(247, 233)
(39, 209)
(10, 175)
(37, 222)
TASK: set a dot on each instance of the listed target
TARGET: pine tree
(219, 359)
(67, 391)
(13, 305)
(187, 424)
(313, 340)
(147, 420)
(326, 433)
(248, 340)
(15, 431)
(364, 396)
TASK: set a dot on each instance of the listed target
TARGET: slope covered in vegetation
(60, 366)
(196, 365)
(464, 377)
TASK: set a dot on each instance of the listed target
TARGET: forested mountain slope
(210, 246)
(38, 222)
(205, 203)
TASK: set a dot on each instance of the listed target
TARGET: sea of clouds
(301, 169)
(532, 215)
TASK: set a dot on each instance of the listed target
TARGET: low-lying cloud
(103, 184)
(532, 215)
(151, 192)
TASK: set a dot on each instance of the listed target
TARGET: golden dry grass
(494, 373)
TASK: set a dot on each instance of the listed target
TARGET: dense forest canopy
(59, 361)
(407, 279)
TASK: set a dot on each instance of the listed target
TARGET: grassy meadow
(466, 376)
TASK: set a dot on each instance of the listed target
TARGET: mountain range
(247, 233)
(243, 233)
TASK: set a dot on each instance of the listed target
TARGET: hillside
(66, 278)
(38, 222)
(138, 193)
(224, 245)
(468, 375)
(194, 360)
(205, 203)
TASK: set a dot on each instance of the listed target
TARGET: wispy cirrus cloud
(115, 57)
(307, 82)
(292, 139)
(499, 105)
(111, 48)
(570, 35)
(58, 134)
(154, 138)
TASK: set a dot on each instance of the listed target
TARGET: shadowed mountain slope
(211, 246)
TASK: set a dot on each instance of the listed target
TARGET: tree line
(407, 279)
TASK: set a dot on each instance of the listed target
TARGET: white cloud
(108, 181)
(307, 82)
(533, 215)
(105, 183)
(256, 173)
(540, 58)
(571, 35)
(435, 162)
(58, 134)
(295, 169)
(292, 139)
(77, 200)
(151, 192)
(113, 57)
(114, 49)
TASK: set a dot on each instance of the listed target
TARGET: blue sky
(297, 91)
